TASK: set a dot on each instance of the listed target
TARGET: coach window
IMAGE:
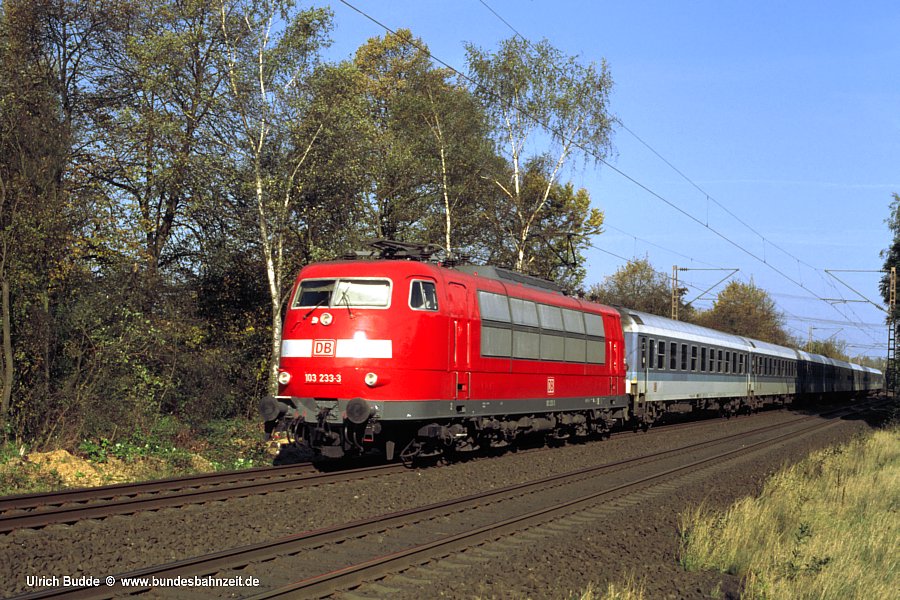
(741, 364)
(684, 357)
(703, 359)
(727, 361)
(651, 354)
(673, 356)
(661, 356)
(693, 358)
(734, 362)
(719, 363)
(423, 295)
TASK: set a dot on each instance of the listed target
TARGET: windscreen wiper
(321, 302)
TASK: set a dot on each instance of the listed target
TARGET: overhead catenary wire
(709, 198)
(561, 135)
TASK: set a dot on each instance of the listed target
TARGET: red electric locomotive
(413, 357)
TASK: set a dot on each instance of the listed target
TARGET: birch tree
(272, 51)
(545, 105)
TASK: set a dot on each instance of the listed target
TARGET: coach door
(646, 355)
(460, 352)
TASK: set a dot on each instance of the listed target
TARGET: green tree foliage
(636, 285)
(426, 145)
(167, 167)
(156, 95)
(529, 87)
(748, 310)
(830, 348)
(556, 241)
(35, 215)
(891, 255)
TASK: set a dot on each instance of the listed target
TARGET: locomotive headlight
(371, 379)
(284, 377)
(325, 319)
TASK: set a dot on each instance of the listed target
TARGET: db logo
(551, 386)
(323, 348)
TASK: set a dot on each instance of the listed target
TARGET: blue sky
(785, 113)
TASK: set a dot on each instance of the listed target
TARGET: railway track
(39, 510)
(369, 549)
(69, 506)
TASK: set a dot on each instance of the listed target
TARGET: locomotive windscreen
(343, 292)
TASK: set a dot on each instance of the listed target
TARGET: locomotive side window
(524, 312)
(575, 349)
(594, 324)
(496, 341)
(596, 345)
(526, 344)
(551, 317)
(553, 347)
(423, 295)
(494, 307)
(573, 321)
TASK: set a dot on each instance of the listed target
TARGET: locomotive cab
(347, 326)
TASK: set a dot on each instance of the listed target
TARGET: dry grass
(826, 528)
(630, 590)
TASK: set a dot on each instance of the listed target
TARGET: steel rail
(380, 566)
(241, 556)
(286, 479)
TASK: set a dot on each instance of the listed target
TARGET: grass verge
(824, 528)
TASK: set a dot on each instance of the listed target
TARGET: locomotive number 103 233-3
(322, 378)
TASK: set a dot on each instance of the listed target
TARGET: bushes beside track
(168, 449)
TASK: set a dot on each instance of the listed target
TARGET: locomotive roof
(505, 275)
